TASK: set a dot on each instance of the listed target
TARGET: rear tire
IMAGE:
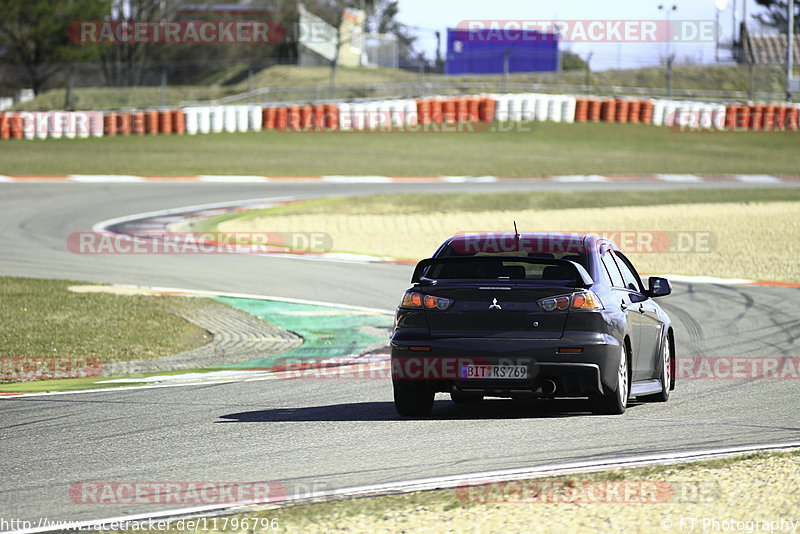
(615, 402)
(413, 400)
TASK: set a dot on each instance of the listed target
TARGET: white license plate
(494, 372)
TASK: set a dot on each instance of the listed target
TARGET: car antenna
(516, 233)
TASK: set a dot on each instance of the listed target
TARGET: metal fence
(173, 84)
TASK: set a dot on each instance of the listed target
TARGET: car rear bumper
(438, 364)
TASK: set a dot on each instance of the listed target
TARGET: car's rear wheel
(413, 400)
(466, 397)
(615, 402)
(666, 379)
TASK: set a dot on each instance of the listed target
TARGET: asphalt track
(328, 434)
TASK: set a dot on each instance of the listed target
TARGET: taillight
(412, 299)
(581, 300)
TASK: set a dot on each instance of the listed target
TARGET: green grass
(471, 202)
(225, 83)
(322, 516)
(100, 98)
(42, 320)
(533, 149)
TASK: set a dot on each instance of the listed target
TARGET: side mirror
(658, 287)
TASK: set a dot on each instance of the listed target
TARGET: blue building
(483, 51)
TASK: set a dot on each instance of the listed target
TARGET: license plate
(494, 372)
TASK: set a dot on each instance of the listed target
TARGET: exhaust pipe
(548, 387)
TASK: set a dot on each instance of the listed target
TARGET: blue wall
(482, 51)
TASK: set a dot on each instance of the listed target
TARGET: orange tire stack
(137, 123)
(306, 117)
(281, 119)
(294, 117)
(462, 109)
(608, 111)
(474, 105)
(594, 111)
(792, 119)
(268, 118)
(17, 128)
(424, 111)
(779, 120)
(165, 122)
(151, 122)
(110, 124)
(449, 111)
(756, 117)
(486, 110)
(581, 109)
(768, 118)
(621, 114)
(437, 111)
(319, 118)
(743, 118)
(646, 112)
(178, 122)
(5, 126)
(730, 117)
(634, 111)
(123, 123)
(331, 117)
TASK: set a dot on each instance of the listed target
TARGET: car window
(494, 269)
(613, 270)
(629, 274)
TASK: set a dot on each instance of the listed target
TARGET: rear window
(496, 269)
(532, 271)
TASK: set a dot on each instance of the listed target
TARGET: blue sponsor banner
(483, 51)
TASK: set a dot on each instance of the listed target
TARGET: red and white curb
(244, 179)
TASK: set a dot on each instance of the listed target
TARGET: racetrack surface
(327, 434)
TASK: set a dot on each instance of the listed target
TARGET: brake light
(582, 300)
(412, 299)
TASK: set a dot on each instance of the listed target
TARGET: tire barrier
(123, 123)
(422, 114)
(178, 122)
(164, 122)
(151, 122)
(138, 123)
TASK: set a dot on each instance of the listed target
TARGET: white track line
(472, 179)
(231, 179)
(581, 178)
(357, 179)
(434, 483)
(758, 178)
(104, 178)
(682, 178)
(102, 226)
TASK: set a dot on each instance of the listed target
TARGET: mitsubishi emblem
(494, 305)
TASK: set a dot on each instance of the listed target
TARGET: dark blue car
(531, 315)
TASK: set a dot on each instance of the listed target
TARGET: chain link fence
(90, 87)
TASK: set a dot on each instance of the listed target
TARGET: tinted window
(488, 268)
(613, 271)
(629, 274)
(449, 251)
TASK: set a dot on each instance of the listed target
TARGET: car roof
(530, 242)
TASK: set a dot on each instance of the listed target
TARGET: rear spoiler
(582, 278)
